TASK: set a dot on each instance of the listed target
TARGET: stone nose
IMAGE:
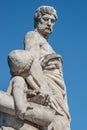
(49, 22)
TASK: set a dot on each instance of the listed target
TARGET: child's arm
(19, 96)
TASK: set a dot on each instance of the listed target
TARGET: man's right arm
(31, 44)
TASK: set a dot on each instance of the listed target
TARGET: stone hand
(45, 98)
(31, 93)
(21, 113)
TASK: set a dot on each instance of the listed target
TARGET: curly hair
(42, 10)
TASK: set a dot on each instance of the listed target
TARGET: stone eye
(45, 19)
(52, 20)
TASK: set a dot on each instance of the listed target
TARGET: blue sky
(68, 39)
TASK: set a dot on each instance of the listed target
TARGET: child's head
(19, 62)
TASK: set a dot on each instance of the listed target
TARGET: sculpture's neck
(43, 35)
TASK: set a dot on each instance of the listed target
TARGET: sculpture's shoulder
(31, 35)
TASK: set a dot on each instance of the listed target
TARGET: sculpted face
(45, 25)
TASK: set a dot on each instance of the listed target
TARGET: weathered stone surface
(37, 92)
(38, 114)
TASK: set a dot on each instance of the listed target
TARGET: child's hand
(21, 113)
(45, 98)
(31, 93)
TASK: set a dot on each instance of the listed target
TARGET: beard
(44, 29)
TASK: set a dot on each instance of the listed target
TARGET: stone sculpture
(36, 98)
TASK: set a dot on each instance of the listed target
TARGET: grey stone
(36, 98)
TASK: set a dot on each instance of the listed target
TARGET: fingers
(29, 106)
(20, 114)
(31, 93)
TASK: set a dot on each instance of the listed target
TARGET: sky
(69, 39)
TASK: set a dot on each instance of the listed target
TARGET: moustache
(50, 29)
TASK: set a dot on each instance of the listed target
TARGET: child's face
(24, 72)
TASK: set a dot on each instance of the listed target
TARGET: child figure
(22, 87)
